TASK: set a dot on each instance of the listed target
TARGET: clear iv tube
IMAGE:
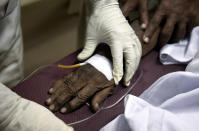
(53, 65)
(111, 106)
(102, 108)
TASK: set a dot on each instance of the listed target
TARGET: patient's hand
(76, 89)
(146, 48)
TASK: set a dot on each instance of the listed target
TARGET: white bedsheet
(181, 52)
(170, 104)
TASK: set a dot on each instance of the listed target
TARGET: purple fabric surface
(36, 87)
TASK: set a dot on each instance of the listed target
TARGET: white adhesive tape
(102, 64)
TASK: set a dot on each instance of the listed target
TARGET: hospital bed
(36, 87)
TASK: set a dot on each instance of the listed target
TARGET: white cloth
(170, 104)
(18, 114)
(11, 48)
(181, 52)
(102, 64)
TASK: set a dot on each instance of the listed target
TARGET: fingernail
(97, 106)
(48, 101)
(146, 39)
(63, 110)
(127, 83)
(117, 77)
(143, 26)
(51, 90)
(52, 107)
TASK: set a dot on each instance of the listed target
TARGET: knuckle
(82, 97)
(111, 90)
(73, 105)
(60, 100)
(68, 84)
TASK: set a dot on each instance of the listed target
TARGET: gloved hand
(129, 5)
(178, 14)
(106, 24)
(77, 87)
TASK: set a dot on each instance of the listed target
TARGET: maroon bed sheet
(36, 87)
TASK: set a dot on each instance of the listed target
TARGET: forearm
(8, 105)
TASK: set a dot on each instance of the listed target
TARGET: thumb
(88, 50)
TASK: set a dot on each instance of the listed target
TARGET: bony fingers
(153, 25)
(143, 13)
(55, 86)
(52, 107)
(146, 39)
(100, 97)
(167, 31)
(48, 101)
(72, 105)
(51, 100)
(81, 98)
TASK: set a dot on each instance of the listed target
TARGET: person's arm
(19, 114)
(178, 18)
(128, 6)
(107, 24)
(93, 81)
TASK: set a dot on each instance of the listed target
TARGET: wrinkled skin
(130, 5)
(146, 48)
(67, 94)
(77, 87)
(176, 18)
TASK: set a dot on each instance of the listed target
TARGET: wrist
(102, 64)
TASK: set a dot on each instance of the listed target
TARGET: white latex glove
(106, 24)
(18, 114)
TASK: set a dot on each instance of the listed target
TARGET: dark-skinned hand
(130, 5)
(77, 87)
(146, 48)
(181, 15)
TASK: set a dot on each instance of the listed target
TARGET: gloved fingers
(100, 97)
(153, 25)
(80, 99)
(117, 55)
(180, 32)
(143, 11)
(167, 31)
(132, 57)
(88, 50)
